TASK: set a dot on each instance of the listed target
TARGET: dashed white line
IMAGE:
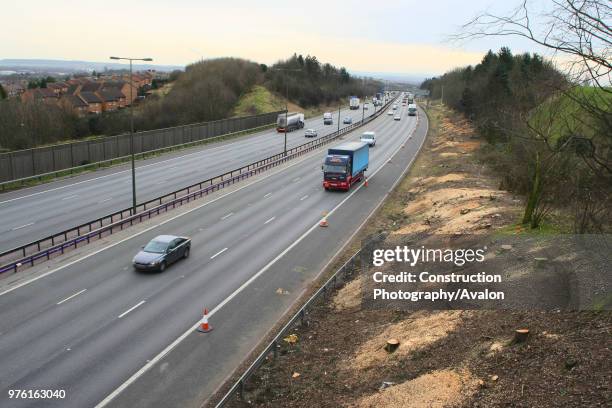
(71, 296)
(22, 226)
(296, 179)
(106, 200)
(270, 220)
(69, 197)
(130, 309)
(227, 216)
(267, 195)
(218, 253)
(303, 198)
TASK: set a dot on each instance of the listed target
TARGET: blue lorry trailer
(345, 165)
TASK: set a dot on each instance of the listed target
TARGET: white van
(369, 138)
(327, 118)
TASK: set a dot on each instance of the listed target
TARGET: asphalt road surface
(95, 328)
(34, 213)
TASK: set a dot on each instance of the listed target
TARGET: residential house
(40, 94)
(111, 98)
(13, 89)
(124, 88)
(93, 101)
(59, 88)
(74, 103)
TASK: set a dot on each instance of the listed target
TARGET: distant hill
(66, 66)
(412, 79)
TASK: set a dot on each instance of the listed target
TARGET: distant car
(365, 106)
(328, 118)
(162, 251)
(369, 138)
(394, 106)
(390, 113)
(347, 120)
(397, 117)
(310, 133)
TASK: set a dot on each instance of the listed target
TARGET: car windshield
(331, 168)
(156, 247)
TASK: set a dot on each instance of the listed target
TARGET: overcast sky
(400, 36)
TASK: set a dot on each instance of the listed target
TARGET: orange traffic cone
(204, 327)
(365, 183)
(323, 222)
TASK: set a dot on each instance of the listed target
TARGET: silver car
(310, 133)
(162, 251)
(369, 138)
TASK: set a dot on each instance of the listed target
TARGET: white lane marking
(218, 253)
(22, 226)
(296, 179)
(69, 197)
(27, 282)
(270, 220)
(267, 195)
(70, 297)
(190, 330)
(303, 198)
(262, 133)
(130, 309)
(106, 200)
(227, 216)
(161, 182)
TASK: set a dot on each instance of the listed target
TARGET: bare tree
(579, 29)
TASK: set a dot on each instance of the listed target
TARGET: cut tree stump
(392, 345)
(520, 336)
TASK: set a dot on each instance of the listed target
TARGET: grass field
(258, 100)
(564, 115)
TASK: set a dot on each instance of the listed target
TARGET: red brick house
(93, 101)
(40, 94)
(74, 103)
(111, 99)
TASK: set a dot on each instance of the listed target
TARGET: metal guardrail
(346, 270)
(45, 248)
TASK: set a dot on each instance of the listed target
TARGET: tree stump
(392, 345)
(520, 336)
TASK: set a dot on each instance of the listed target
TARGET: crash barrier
(41, 163)
(352, 265)
(44, 249)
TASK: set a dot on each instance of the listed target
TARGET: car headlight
(154, 262)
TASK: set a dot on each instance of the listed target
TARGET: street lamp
(286, 100)
(132, 126)
(364, 100)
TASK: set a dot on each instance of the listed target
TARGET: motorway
(93, 324)
(34, 213)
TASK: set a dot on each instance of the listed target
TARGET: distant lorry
(289, 121)
(412, 109)
(410, 98)
(328, 119)
(345, 165)
(354, 102)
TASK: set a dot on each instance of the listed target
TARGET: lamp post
(132, 126)
(364, 100)
(286, 100)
